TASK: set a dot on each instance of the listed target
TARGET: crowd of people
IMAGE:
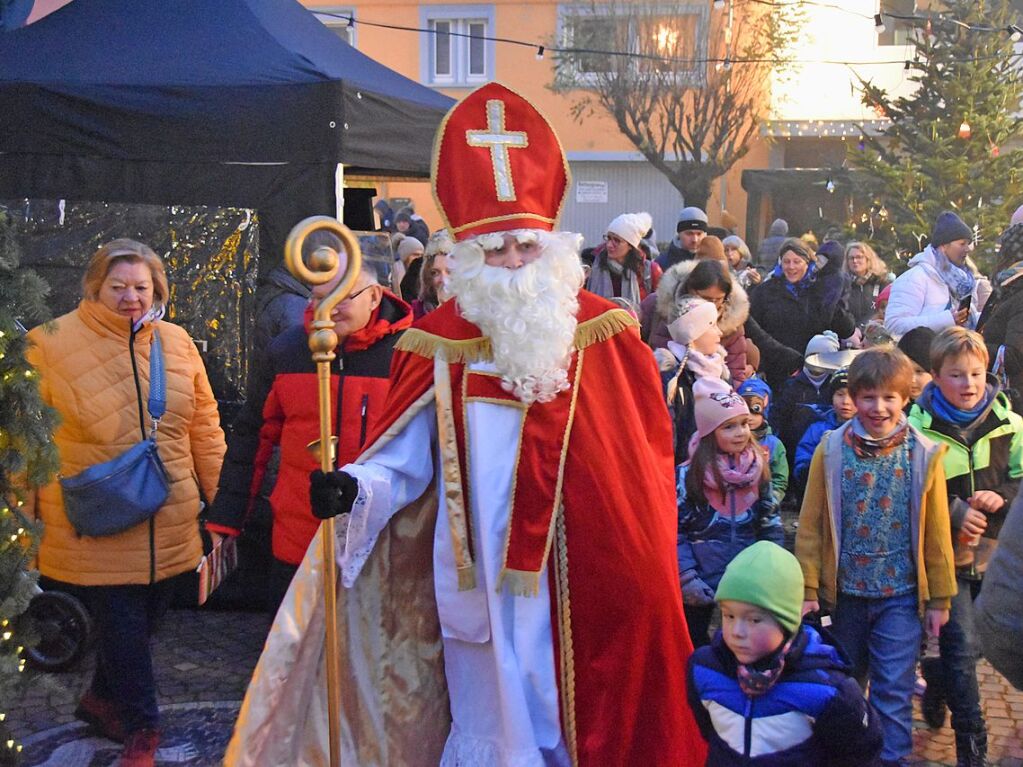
(801, 380)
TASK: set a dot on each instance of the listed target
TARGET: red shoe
(140, 749)
(102, 715)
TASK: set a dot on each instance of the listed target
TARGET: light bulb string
(653, 57)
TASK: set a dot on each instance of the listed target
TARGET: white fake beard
(529, 313)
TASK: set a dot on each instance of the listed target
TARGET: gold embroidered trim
(427, 345)
(564, 604)
(497, 401)
(506, 217)
(602, 327)
(452, 476)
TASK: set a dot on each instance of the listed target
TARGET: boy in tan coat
(874, 540)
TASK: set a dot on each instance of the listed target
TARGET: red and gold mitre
(498, 165)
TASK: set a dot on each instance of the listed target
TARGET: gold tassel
(425, 344)
(601, 328)
(520, 583)
(467, 577)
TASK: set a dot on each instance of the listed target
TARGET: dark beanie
(839, 380)
(916, 345)
(691, 218)
(1011, 242)
(949, 228)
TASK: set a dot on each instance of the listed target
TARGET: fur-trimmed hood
(736, 310)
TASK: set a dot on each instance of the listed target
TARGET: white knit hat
(695, 317)
(822, 343)
(631, 227)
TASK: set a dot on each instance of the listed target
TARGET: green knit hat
(768, 576)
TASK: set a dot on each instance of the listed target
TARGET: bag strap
(157, 383)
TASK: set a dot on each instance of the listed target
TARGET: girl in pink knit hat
(725, 503)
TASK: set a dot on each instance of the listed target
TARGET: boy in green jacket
(964, 410)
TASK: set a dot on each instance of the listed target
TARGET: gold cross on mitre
(499, 141)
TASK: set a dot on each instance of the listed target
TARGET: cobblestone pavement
(200, 656)
(207, 657)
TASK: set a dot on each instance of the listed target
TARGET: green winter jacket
(984, 455)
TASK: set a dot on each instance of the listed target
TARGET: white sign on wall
(591, 191)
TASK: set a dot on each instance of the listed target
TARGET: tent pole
(339, 192)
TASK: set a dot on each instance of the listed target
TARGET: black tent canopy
(243, 103)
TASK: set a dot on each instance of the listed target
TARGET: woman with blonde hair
(868, 275)
(94, 368)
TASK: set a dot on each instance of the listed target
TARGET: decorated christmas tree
(947, 145)
(27, 458)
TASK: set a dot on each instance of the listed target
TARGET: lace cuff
(357, 532)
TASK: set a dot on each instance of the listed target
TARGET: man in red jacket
(284, 411)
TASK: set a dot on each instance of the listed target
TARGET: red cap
(498, 165)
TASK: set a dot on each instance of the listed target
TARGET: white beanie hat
(695, 317)
(631, 227)
(714, 402)
(822, 344)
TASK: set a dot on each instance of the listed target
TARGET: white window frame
(573, 78)
(460, 17)
(335, 18)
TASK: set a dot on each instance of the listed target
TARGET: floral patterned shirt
(876, 559)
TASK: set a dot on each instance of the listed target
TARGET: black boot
(932, 704)
(971, 746)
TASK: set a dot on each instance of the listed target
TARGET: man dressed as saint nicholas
(506, 542)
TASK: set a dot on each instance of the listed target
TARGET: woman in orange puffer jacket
(94, 369)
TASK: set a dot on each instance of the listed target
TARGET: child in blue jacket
(828, 419)
(758, 396)
(770, 691)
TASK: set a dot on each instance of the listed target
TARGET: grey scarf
(599, 281)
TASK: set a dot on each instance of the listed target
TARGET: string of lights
(1014, 31)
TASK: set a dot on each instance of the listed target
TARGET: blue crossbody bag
(125, 491)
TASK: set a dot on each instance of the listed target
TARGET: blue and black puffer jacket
(708, 540)
(815, 715)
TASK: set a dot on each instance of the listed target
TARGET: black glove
(332, 493)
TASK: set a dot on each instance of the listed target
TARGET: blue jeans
(959, 654)
(126, 617)
(882, 639)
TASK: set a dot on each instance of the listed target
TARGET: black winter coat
(861, 297)
(794, 321)
(1002, 324)
(790, 415)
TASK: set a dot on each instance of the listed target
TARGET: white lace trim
(463, 750)
(357, 532)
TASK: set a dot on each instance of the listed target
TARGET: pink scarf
(741, 474)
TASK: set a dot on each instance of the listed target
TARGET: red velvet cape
(619, 630)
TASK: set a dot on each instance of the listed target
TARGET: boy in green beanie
(769, 690)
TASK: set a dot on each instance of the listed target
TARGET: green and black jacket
(986, 454)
